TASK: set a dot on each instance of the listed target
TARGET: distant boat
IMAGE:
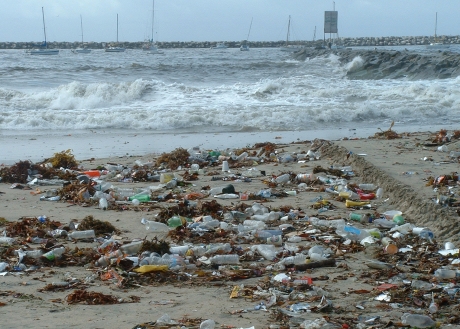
(287, 47)
(115, 49)
(220, 45)
(44, 50)
(436, 44)
(244, 45)
(81, 50)
(150, 46)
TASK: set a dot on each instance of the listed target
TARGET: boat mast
(153, 17)
(250, 25)
(44, 29)
(81, 26)
(435, 27)
(289, 27)
(117, 28)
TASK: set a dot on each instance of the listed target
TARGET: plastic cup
(225, 166)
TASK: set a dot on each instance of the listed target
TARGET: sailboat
(287, 46)
(44, 50)
(81, 50)
(244, 45)
(150, 46)
(436, 44)
(115, 49)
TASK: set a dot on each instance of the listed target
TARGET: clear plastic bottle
(54, 254)
(34, 253)
(267, 251)
(79, 235)
(367, 187)
(417, 320)
(131, 248)
(283, 179)
(153, 226)
(445, 273)
(294, 260)
(225, 259)
(7, 241)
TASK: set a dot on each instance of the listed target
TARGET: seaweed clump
(174, 159)
(64, 159)
(99, 227)
(387, 134)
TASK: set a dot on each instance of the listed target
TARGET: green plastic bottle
(140, 197)
(398, 219)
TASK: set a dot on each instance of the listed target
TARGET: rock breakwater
(390, 64)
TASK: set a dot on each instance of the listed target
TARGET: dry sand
(381, 162)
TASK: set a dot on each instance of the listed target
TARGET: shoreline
(37, 145)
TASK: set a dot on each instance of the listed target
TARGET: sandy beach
(363, 286)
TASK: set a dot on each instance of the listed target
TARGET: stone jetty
(377, 64)
(347, 42)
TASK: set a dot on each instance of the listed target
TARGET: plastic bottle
(349, 195)
(155, 260)
(367, 187)
(294, 260)
(265, 234)
(355, 217)
(267, 251)
(131, 248)
(3, 266)
(103, 204)
(379, 193)
(7, 241)
(34, 253)
(444, 273)
(157, 227)
(78, 235)
(179, 250)
(433, 308)
(140, 197)
(382, 222)
(421, 285)
(166, 177)
(417, 320)
(225, 259)
(38, 240)
(350, 203)
(208, 324)
(283, 179)
(54, 254)
(398, 219)
(105, 260)
(106, 246)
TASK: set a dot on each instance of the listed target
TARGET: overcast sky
(222, 20)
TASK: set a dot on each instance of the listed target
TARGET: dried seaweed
(267, 146)
(17, 173)
(387, 134)
(174, 159)
(99, 227)
(159, 246)
(64, 159)
(90, 298)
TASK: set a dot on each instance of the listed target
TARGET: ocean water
(201, 91)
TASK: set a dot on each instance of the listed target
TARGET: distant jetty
(346, 42)
(374, 64)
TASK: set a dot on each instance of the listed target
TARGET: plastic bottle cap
(391, 249)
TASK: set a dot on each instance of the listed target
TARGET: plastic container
(166, 177)
(391, 213)
(417, 320)
(382, 222)
(225, 259)
(379, 193)
(3, 266)
(355, 217)
(349, 195)
(79, 235)
(225, 166)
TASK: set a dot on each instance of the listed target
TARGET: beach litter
(341, 246)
